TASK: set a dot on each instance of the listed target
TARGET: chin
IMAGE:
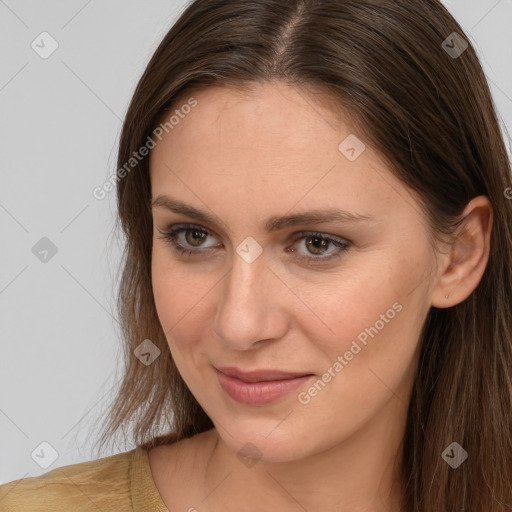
(262, 441)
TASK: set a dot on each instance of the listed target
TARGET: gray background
(59, 125)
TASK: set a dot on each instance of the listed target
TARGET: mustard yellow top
(121, 482)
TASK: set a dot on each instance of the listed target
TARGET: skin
(246, 156)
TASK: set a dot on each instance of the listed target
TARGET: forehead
(259, 112)
(264, 129)
(272, 145)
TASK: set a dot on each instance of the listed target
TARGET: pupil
(316, 240)
(197, 238)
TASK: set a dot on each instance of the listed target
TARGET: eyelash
(170, 236)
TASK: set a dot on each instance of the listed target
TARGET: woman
(317, 284)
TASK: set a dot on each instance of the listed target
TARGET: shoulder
(103, 484)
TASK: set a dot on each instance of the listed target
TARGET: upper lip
(259, 375)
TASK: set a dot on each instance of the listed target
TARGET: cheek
(182, 305)
(370, 324)
(369, 363)
(179, 292)
(166, 284)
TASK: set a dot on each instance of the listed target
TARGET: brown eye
(317, 244)
(197, 236)
(194, 238)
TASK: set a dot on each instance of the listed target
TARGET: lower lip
(258, 393)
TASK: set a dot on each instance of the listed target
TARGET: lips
(263, 388)
(260, 375)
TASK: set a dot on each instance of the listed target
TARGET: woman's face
(287, 298)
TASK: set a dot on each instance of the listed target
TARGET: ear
(464, 264)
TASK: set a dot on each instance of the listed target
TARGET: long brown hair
(430, 114)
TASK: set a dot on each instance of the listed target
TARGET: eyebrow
(274, 223)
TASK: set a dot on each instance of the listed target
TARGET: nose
(251, 305)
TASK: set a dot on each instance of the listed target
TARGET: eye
(315, 243)
(198, 235)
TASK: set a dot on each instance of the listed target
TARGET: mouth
(259, 387)
(262, 375)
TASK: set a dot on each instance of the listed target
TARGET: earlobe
(468, 257)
